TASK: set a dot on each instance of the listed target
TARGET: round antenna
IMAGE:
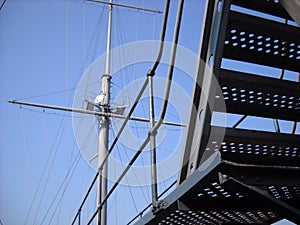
(99, 98)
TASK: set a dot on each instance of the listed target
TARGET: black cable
(2, 4)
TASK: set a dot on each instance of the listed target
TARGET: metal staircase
(232, 175)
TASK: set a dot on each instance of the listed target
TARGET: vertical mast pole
(109, 38)
(104, 128)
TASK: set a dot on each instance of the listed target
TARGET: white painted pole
(102, 150)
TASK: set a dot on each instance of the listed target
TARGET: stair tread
(254, 95)
(261, 41)
(272, 7)
(256, 147)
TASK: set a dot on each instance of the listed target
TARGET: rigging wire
(84, 146)
(158, 107)
(162, 115)
(69, 175)
(131, 94)
(84, 35)
(51, 113)
(25, 150)
(69, 166)
(65, 183)
(59, 212)
(131, 111)
(116, 209)
(32, 204)
(68, 101)
(2, 4)
(67, 49)
(50, 170)
(43, 172)
(46, 94)
(118, 151)
(94, 35)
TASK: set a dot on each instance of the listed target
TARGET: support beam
(293, 8)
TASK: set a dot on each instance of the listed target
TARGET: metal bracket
(159, 206)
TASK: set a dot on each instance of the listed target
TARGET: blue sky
(45, 48)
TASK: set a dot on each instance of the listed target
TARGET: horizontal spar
(91, 112)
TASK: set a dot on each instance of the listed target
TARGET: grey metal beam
(210, 54)
(195, 104)
(293, 8)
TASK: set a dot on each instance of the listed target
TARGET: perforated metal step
(256, 147)
(261, 41)
(248, 94)
(271, 7)
(211, 217)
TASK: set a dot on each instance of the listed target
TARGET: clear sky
(45, 47)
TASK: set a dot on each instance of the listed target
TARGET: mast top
(126, 6)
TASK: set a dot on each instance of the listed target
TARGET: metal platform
(248, 94)
(261, 41)
(213, 194)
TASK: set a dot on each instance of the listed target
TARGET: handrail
(171, 68)
(154, 127)
(162, 38)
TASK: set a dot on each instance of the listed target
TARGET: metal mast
(104, 128)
